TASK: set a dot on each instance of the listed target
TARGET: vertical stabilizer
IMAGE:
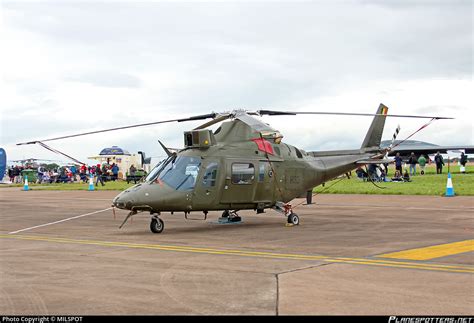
(374, 135)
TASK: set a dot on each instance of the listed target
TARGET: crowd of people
(14, 173)
(379, 174)
(66, 174)
(422, 161)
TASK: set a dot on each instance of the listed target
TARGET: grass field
(428, 184)
(109, 186)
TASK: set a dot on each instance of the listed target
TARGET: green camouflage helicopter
(242, 165)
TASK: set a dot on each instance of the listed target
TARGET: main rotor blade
(219, 118)
(290, 113)
(199, 117)
(59, 152)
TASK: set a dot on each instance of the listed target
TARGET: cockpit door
(206, 189)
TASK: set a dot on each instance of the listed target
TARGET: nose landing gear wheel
(293, 219)
(157, 225)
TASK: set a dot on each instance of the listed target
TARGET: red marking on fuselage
(264, 145)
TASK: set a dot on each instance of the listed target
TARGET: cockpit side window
(179, 173)
(158, 168)
(210, 175)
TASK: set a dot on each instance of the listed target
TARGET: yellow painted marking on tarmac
(432, 252)
(259, 254)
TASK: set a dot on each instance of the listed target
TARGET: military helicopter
(242, 165)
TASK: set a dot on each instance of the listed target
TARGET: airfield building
(122, 158)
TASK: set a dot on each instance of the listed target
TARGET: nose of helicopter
(123, 201)
(152, 197)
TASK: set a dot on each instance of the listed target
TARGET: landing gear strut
(156, 225)
(287, 210)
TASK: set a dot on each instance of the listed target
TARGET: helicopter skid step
(227, 220)
(229, 217)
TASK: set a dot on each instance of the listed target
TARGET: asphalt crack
(277, 279)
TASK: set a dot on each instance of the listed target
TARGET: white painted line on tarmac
(43, 198)
(60, 221)
(392, 206)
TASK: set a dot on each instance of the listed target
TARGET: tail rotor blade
(394, 137)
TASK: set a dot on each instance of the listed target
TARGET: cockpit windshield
(180, 173)
(156, 170)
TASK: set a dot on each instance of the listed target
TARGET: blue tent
(114, 150)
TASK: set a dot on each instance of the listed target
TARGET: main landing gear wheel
(293, 219)
(157, 225)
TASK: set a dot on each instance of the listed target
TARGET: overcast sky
(76, 66)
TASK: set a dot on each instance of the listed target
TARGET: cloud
(78, 66)
(106, 79)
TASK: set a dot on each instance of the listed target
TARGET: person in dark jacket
(98, 173)
(439, 163)
(412, 161)
(406, 176)
(398, 163)
(17, 174)
(132, 172)
(463, 159)
(10, 174)
(115, 170)
(463, 162)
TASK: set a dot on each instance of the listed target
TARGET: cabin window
(277, 150)
(261, 172)
(243, 173)
(210, 175)
(298, 153)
